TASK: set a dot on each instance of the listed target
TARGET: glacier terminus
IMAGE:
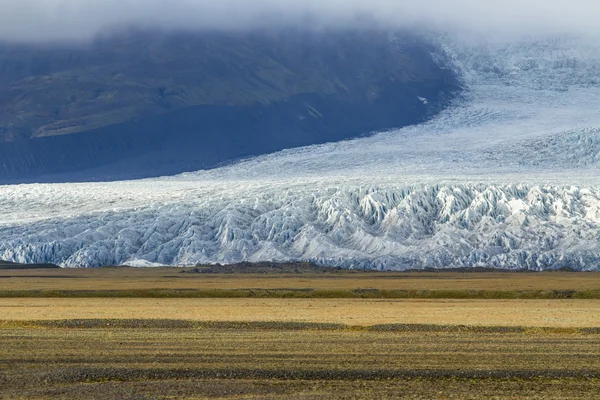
(507, 176)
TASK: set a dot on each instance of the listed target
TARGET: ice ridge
(417, 226)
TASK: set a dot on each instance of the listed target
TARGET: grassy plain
(301, 363)
(360, 312)
(306, 282)
(62, 337)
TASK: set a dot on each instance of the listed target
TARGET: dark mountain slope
(145, 104)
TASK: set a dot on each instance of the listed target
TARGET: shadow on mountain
(149, 104)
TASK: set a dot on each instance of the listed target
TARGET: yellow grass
(360, 312)
(269, 348)
(245, 363)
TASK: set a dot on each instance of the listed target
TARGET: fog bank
(51, 20)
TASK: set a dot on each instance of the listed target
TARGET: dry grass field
(359, 312)
(174, 278)
(63, 336)
(292, 282)
(302, 363)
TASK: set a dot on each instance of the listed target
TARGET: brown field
(361, 312)
(87, 347)
(173, 278)
(252, 363)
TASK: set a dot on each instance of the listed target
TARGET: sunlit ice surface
(506, 177)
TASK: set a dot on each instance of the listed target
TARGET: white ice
(508, 177)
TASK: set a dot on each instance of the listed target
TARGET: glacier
(506, 177)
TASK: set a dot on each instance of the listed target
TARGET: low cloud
(51, 20)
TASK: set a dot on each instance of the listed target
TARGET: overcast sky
(43, 20)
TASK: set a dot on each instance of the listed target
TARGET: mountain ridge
(149, 98)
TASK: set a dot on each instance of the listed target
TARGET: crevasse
(507, 177)
(459, 225)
